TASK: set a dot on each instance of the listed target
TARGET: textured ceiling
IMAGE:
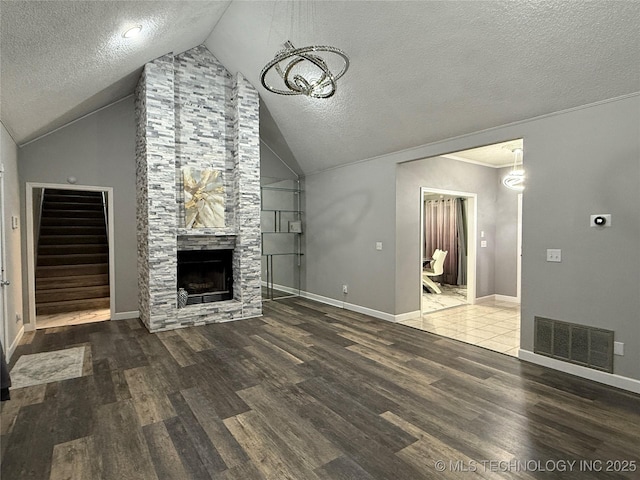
(60, 60)
(421, 71)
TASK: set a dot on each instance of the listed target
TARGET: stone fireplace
(193, 115)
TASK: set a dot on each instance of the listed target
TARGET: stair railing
(38, 225)
(106, 213)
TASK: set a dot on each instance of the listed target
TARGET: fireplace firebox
(206, 275)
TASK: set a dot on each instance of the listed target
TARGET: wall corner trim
(613, 380)
(14, 344)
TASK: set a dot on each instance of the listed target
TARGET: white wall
(9, 158)
(578, 162)
(99, 150)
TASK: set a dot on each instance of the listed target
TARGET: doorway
(490, 317)
(70, 271)
(457, 284)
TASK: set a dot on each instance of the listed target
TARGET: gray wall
(9, 158)
(99, 150)
(578, 162)
(348, 210)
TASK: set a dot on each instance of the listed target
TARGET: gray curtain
(445, 228)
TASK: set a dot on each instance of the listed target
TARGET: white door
(3, 290)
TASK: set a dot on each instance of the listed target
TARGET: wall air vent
(587, 346)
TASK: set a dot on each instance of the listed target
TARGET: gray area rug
(47, 367)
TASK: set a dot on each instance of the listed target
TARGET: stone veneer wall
(191, 112)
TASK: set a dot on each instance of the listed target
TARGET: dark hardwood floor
(309, 392)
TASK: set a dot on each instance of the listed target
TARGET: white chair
(437, 268)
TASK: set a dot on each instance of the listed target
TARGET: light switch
(554, 255)
(483, 243)
(618, 348)
(481, 233)
(378, 245)
(15, 221)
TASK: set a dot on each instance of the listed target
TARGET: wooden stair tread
(56, 295)
(52, 198)
(72, 229)
(64, 221)
(49, 212)
(72, 259)
(73, 248)
(48, 271)
(66, 205)
(69, 240)
(53, 283)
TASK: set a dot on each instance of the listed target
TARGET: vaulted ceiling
(421, 71)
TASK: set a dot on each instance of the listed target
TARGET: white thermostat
(600, 220)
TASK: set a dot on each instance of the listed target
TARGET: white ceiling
(421, 71)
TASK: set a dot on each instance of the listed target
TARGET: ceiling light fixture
(133, 32)
(515, 178)
(304, 72)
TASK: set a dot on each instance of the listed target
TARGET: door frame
(472, 223)
(519, 252)
(30, 324)
(3, 265)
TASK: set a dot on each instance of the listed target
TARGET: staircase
(72, 269)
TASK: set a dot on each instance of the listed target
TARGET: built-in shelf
(283, 211)
(283, 189)
(281, 206)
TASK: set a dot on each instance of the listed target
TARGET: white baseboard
(500, 298)
(407, 316)
(126, 315)
(506, 298)
(610, 379)
(319, 298)
(14, 344)
(389, 317)
(347, 306)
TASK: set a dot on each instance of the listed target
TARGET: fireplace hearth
(206, 275)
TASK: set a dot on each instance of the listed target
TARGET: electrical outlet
(554, 255)
(618, 348)
(378, 245)
(345, 289)
(483, 244)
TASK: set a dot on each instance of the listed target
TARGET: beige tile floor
(490, 324)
